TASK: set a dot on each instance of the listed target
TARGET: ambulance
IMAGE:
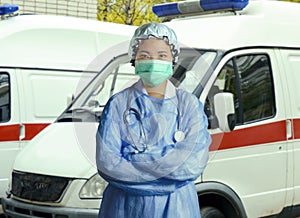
(42, 59)
(242, 60)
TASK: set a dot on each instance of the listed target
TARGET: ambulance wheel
(211, 212)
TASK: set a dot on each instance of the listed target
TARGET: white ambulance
(242, 59)
(42, 58)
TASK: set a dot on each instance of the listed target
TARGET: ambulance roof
(260, 23)
(58, 42)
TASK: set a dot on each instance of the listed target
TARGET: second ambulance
(42, 59)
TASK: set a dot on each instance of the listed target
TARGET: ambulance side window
(249, 78)
(4, 97)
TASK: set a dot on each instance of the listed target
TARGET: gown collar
(169, 93)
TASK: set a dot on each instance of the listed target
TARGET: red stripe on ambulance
(12, 132)
(267, 133)
(33, 129)
(262, 134)
(296, 127)
(9, 133)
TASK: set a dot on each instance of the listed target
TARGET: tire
(211, 212)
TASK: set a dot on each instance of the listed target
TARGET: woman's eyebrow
(162, 51)
(144, 51)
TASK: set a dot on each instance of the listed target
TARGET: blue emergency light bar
(8, 9)
(197, 6)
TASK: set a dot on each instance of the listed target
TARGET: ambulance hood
(62, 149)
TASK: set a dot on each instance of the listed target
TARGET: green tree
(131, 12)
(292, 1)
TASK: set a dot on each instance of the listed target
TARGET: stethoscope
(178, 135)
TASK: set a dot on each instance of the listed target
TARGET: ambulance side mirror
(70, 98)
(224, 110)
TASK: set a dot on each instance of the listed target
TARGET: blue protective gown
(158, 182)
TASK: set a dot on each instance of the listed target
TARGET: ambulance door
(252, 159)
(291, 75)
(9, 125)
(44, 98)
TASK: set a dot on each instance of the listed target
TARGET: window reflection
(249, 78)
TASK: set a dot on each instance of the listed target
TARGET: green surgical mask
(153, 72)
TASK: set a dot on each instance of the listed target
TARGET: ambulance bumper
(16, 209)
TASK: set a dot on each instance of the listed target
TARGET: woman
(152, 140)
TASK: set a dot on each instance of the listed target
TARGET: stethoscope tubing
(138, 115)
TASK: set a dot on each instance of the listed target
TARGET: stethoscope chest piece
(179, 136)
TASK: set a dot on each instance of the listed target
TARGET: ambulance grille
(36, 187)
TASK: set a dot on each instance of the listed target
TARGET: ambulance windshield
(190, 73)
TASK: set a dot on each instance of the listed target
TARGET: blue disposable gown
(156, 183)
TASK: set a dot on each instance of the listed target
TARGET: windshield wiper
(79, 115)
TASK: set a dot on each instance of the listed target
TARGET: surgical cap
(157, 30)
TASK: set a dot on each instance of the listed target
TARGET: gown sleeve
(183, 161)
(111, 163)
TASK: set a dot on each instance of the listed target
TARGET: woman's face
(154, 49)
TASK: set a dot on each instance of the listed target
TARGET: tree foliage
(292, 1)
(131, 12)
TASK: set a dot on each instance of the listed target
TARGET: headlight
(93, 188)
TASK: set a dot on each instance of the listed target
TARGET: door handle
(289, 129)
(22, 132)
